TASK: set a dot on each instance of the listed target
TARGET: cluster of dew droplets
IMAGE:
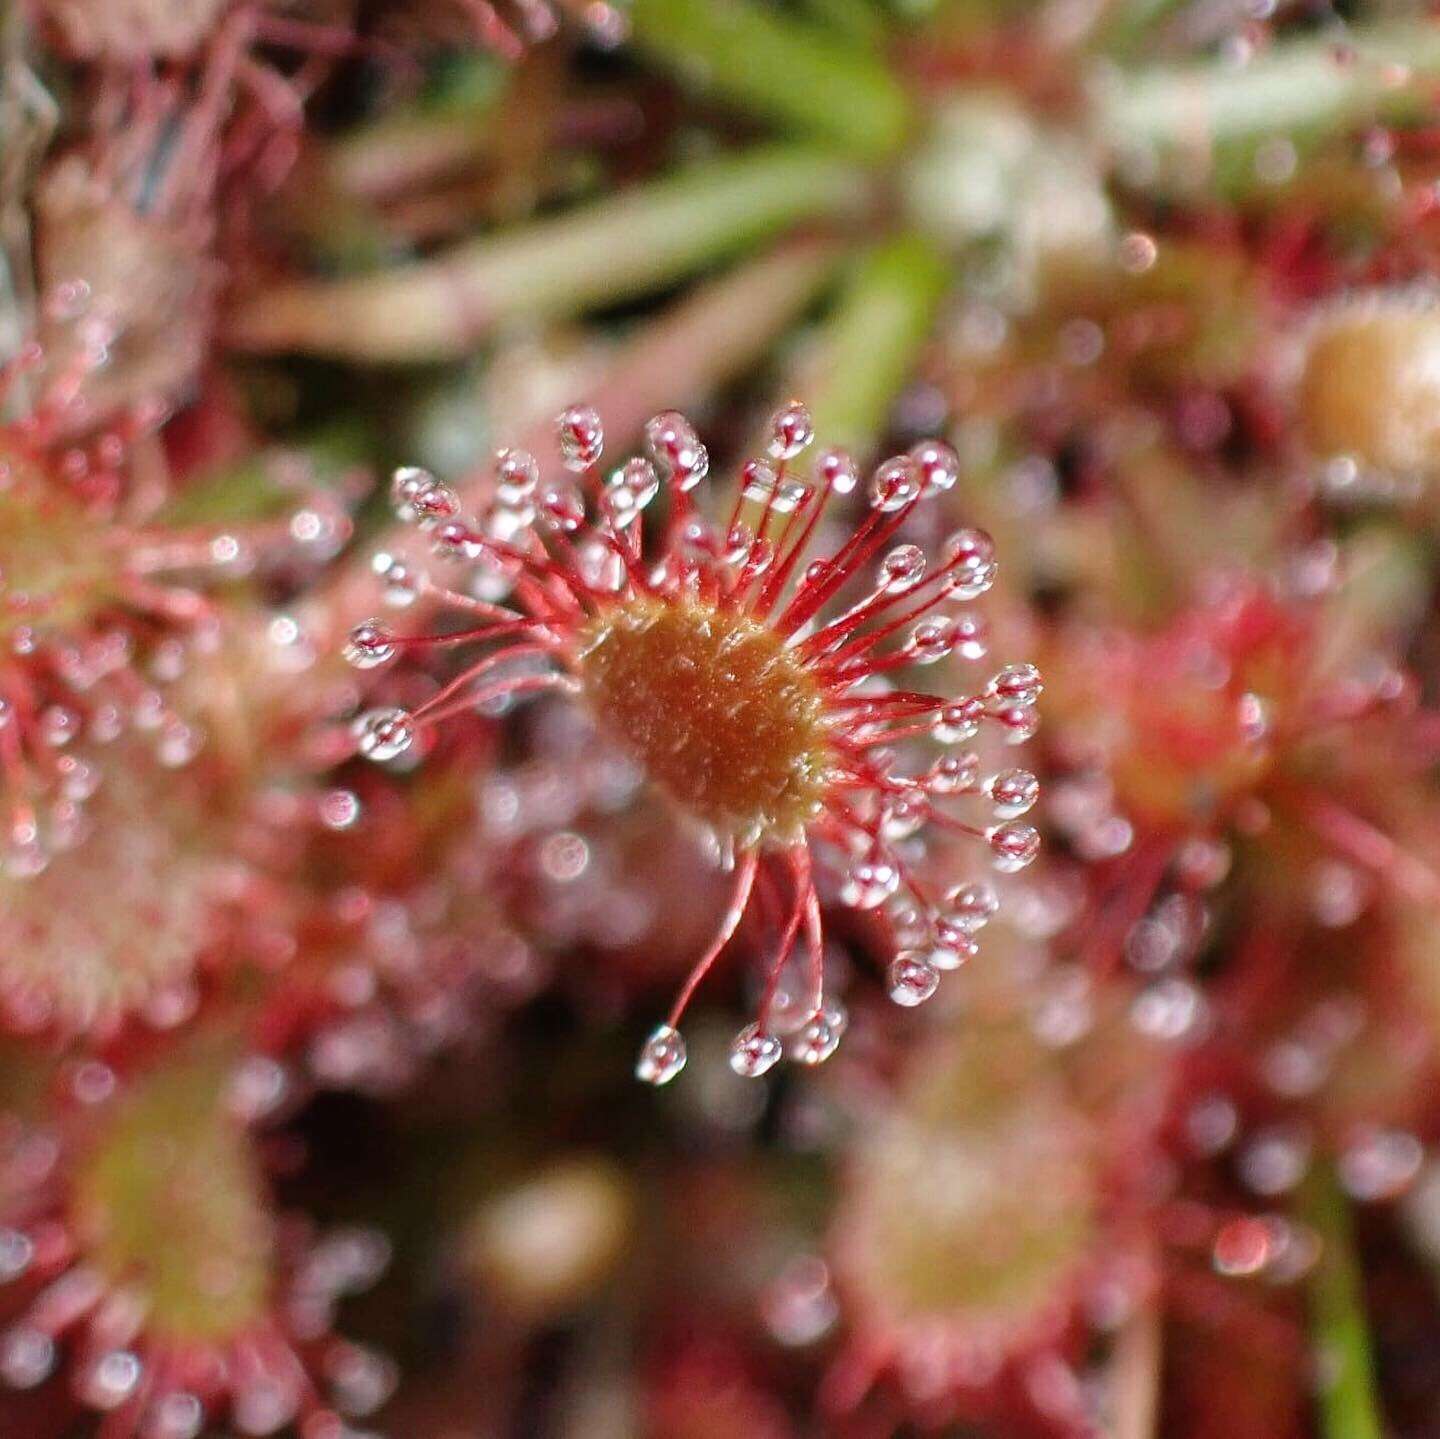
(268, 1386)
(932, 937)
(587, 523)
(501, 543)
(51, 766)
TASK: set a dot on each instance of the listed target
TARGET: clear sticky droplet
(383, 734)
(754, 1052)
(662, 1057)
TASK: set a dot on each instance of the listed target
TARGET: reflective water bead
(970, 564)
(1013, 792)
(27, 1356)
(405, 484)
(265, 1406)
(662, 1057)
(110, 1380)
(1014, 846)
(16, 1251)
(791, 430)
(175, 1416)
(973, 905)
(895, 484)
(601, 567)
(971, 639)
(953, 944)
(754, 1052)
(937, 464)
(953, 773)
(1019, 722)
(903, 815)
(760, 484)
(384, 733)
(959, 721)
(932, 639)
(400, 584)
(838, 470)
(631, 488)
(369, 644)
(819, 1037)
(1017, 685)
(902, 569)
(909, 923)
(582, 437)
(912, 979)
(869, 884)
(434, 503)
(455, 540)
(563, 508)
(360, 1379)
(672, 443)
(1380, 1164)
(517, 475)
(505, 523)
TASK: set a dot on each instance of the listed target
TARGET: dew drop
(563, 508)
(27, 1356)
(671, 441)
(953, 773)
(754, 1052)
(582, 437)
(434, 503)
(819, 1037)
(894, 485)
(912, 979)
(969, 564)
(400, 585)
(110, 1380)
(938, 465)
(1013, 792)
(405, 484)
(953, 945)
(16, 1251)
(1019, 722)
(1017, 685)
(973, 906)
(383, 734)
(837, 470)
(902, 569)
(1380, 1164)
(1014, 846)
(791, 430)
(516, 477)
(869, 884)
(175, 1416)
(662, 1057)
(630, 490)
(760, 484)
(958, 722)
(932, 639)
(369, 644)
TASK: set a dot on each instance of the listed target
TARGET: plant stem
(799, 75)
(1298, 89)
(1349, 1408)
(883, 315)
(607, 251)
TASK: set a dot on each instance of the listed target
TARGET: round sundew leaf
(972, 1206)
(167, 1200)
(719, 712)
(108, 925)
